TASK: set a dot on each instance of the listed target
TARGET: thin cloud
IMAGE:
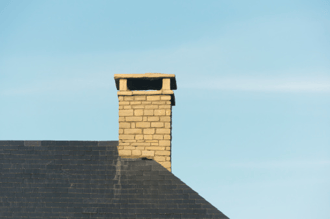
(224, 84)
(56, 86)
(263, 85)
(296, 164)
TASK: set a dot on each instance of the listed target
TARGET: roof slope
(87, 179)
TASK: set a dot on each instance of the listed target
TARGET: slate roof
(87, 179)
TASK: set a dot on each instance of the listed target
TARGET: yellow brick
(164, 106)
(133, 125)
(145, 118)
(157, 124)
(126, 136)
(139, 148)
(149, 112)
(146, 102)
(143, 125)
(168, 102)
(120, 98)
(127, 107)
(135, 102)
(121, 107)
(164, 143)
(121, 131)
(164, 153)
(159, 158)
(168, 112)
(129, 148)
(138, 112)
(138, 137)
(166, 84)
(125, 152)
(138, 106)
(167, 97)
(123, 84)
(121, 119)
(124, 125)
(125, 112)
(129, 140)
(154, 144)
(139, 97)
(153, 118)
(133, 131)
(148, 131)
(136, 152)
(168, 148)
(121, 143)
(125, 93)
(152, 141)
(147, 137)
(148, 153)
(156, 149)
(158, 102)
(151, 98)
(159, 112)
(159, 137)
(167, 125)
(141, 144)
(165, 164)
(167, 137)
(165, 118)
(168, 158)
(123, 103)
(134, 118)
(151, 106)
(128, 98)
(163, 131)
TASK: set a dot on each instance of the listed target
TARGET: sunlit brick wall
(145, 127)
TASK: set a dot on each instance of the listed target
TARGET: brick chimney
(145, 116)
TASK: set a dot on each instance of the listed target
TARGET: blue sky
(251, 123)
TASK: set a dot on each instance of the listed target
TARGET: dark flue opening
(144, 84)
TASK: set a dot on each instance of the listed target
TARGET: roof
(87, 179)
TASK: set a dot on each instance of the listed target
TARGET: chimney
(145, 116)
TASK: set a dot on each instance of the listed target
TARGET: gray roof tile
(87, 179)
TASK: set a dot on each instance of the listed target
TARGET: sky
(251, 122)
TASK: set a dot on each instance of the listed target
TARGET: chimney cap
(146, 76)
